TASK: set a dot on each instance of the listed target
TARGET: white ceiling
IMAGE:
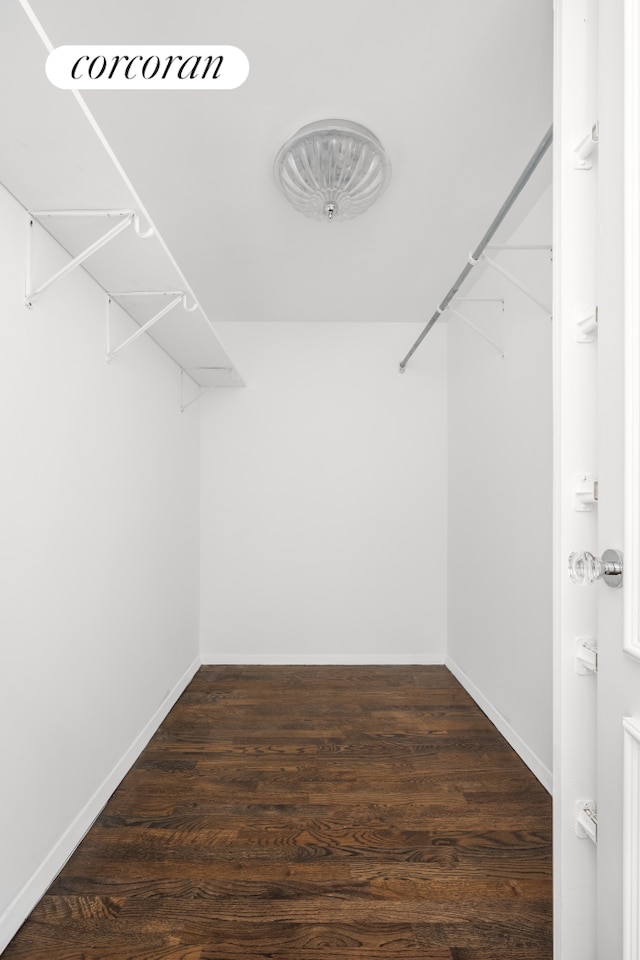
(458, 91)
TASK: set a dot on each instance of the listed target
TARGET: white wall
(323, 537)
(500, 460)
(324, 491)
(98, 559)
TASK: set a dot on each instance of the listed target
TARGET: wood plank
(311, 812)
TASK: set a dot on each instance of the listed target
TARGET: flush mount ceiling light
(332, 169)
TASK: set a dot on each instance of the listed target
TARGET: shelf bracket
(514, 280)
(520, 246)
(201, 390)
(125, 219)
(477, 330)
(499, 300)
(178, 297)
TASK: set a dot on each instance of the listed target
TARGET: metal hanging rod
(522, 181)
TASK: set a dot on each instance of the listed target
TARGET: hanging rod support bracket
(514, 280)
(477, 330)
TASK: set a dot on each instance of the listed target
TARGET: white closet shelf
(126, 254)
(60, 167)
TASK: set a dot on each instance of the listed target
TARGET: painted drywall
(99, 559)
(324, 491)
(500, 498)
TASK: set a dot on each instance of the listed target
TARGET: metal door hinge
(586, 820)
(587, 324)
(585, 492)
(586, 656)
(583, 150)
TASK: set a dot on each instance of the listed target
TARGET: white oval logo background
(147, 67)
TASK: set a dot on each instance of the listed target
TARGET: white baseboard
(525, 753)
(319, 659)
(22, 905)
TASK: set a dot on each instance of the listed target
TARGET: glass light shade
(332, 169)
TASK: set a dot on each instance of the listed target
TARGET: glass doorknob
(584, 568)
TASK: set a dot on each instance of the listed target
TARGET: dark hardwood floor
(311, 813)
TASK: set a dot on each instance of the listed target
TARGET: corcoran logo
(147, 68)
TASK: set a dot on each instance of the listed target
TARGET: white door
(597, 251)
